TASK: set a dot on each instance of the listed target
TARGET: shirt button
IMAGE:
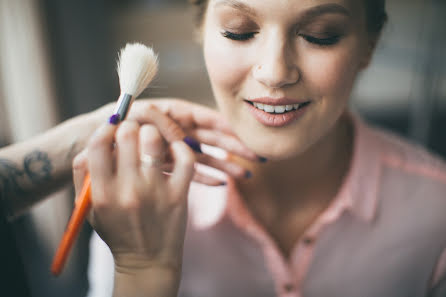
(288, 288)
(308, 240)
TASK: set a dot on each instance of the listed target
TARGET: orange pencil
(137, 66)
(81, 208)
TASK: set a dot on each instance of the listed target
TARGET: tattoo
(15, 181)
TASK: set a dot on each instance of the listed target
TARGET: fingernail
(262, 159)
(223, 183)
(193, 144)
(248, 174)
(114, 119)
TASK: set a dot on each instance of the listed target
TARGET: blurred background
(57, 60)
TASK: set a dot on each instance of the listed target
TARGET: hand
(205, 125)
(136, 209)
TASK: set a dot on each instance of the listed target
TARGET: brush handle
(80, 212)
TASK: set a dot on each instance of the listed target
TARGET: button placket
(308, 240)
(288, 288)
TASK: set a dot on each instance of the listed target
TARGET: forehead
(265, 8)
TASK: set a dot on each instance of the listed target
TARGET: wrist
(146, 281)
(81, 127)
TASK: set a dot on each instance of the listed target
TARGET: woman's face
(282, 70)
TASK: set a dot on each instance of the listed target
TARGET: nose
(277, 64)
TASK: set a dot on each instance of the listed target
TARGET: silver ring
(149, 161)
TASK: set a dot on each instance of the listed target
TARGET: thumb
(80, 170)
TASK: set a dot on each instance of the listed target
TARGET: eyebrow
(237, 5)
(304, 17)
(329, 8)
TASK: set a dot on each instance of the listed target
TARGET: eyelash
(332, 40)
(238, 37)
(311, 39)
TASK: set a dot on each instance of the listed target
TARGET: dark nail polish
(248, 174)
(193, 144)
(262, 159)
(114, 119)
(223, 183)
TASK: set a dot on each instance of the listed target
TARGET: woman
(339, 208)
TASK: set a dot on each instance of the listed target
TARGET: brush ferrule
(123, 105)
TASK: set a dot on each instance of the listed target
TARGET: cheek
(332, 73)
(226, 64)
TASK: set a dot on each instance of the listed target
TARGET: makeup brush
(137, 66)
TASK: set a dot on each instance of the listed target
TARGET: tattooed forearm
(19, 180)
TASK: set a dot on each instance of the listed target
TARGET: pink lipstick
(277, 112)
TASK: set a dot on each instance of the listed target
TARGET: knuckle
(131, 204)
(151, 107)
(173, 129)
(100, 201)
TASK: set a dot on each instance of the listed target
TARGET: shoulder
(412, 181)
(409, 158)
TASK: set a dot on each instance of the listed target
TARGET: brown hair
(376, 14)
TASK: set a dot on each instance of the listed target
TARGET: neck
(312, 178)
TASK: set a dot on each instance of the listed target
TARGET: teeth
(276, 108)
(268, 108)
(279, 109)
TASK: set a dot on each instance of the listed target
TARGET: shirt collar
(362, 181)
(358, 193)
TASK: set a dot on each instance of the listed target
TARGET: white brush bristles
(137, 66)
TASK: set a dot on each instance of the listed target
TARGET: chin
(275, 148)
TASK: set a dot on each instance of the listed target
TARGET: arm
(32, 169)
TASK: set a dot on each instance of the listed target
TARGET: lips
(276, 112)
(276, 101)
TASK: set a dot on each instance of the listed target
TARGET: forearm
(32, 169)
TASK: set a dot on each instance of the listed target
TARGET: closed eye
(238, 37)
(322, 41)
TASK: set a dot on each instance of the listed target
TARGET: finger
(227, 142)
(127, 149)
(208, 180)
(183, 170)
(151, 143)
(168, 128)
(231, 168)
(100, 153)
(80, 165)
(200, 115)
(188, 115)
(199, 177)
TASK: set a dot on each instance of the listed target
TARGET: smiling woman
(339, 209)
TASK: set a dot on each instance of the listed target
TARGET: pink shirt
(384, 234)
